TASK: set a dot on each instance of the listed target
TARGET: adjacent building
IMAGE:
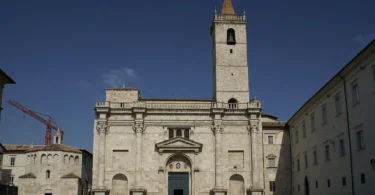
(224, 145)
(55, 169)
(4, 79)
(331, 134)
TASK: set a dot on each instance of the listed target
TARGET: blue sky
(64, 54)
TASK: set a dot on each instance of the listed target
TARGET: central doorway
(178, 183)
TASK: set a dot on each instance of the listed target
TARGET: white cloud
(119, 77)
(364, 38)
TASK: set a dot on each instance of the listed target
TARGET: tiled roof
(56, 147)
(70, 175)
(269, 115)
(273, 124)
(19, 148)
(28, 175)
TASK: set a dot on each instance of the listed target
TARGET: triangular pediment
(178, 144)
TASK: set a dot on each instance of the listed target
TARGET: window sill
(342, 155)
(338, 114)
(329, 160)
(360, 149)
(324, 123)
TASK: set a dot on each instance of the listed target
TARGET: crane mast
(33, 114)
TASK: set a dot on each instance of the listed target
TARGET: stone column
(219, 187)
(102, 130)
(257, 159)
(138, 128)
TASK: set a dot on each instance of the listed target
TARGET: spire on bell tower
(228, 8)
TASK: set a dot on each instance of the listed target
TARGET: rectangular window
(344, 181)
(292, 165)
(11, 179)
(355, 94)
(179, 133)
(316, 184)
(297, 137)
(299, 188)
(303, 129)
(171, 135)
(306, 162)
(324, 115)
(270, 139)
(328, 155)
(272, 186)
(315, 156)
(271, 162)
(342, 147)
(329, 183)
(298, 165)
(12, 161)
(363, 178)
(360, 140)
(312, 122)
(186, 134)
(291, 138)
(338, 104)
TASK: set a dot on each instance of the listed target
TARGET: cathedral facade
(224, 145)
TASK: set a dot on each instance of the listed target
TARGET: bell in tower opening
(231, 37)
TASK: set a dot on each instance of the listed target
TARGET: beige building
(332, 148)
(224, 145)
(55, 169)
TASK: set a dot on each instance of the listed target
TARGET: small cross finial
(215, 10)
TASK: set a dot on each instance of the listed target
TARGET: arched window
(231, 37)
(233, 103)
(48, 174)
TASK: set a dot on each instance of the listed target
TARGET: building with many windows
(55, 169)
(331, 134)
(224, 145)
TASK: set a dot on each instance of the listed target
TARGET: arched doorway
(236, 185)
(119, 185)
(179, 175)
(307, 190)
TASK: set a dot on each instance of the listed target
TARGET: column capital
(253, 128)
(217, 128)
(139, 128)
(102, 128)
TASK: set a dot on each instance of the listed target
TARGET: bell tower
(230, 70)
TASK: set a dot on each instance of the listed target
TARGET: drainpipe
(349, 137)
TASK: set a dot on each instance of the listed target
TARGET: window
(48, 174)
(324, 115)
(315, 156)
(329, 183)
(297, 136)
(360, 140)
(233, 103)
(306, 162)
(272, 186)
(291, 139)
(11, 179)
(298, 165)
(342, 147)
(344, 181)
(270, 139)
(186, 134)
(12, 161)
(179, 133)
(303, 129)
(312, 122)
(292, 165)
(355, 94)
(328, 155)
(271, 162)
(338, 104)
(299, 188)
(171, 135)
(231, 37)
(316, 184)
(293, 188)
(363, 178)
(231, 50)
